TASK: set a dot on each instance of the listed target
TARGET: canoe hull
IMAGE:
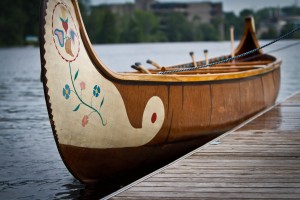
(193, 109)
(119, 166)
(110, 125)
(196, 113)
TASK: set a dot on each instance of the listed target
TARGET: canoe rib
(181, 111)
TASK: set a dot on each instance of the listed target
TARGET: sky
(228, 5)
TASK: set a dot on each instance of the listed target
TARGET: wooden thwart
(251, 162)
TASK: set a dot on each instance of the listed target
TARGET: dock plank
(258, 160)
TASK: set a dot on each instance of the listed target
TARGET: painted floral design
(85, 120)
(60, 36)
(72, 34)
(65, 33)
(82, 85)
(65, 24)
(66, 91)
(66, 38)
(96, 93)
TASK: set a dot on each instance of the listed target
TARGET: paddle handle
(156, 65)
(232, 41)
(142, 68)
(193, 58)
(206, 56)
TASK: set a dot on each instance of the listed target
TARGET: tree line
(19, 19)
(104, 26)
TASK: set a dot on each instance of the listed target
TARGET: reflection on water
(30, 166)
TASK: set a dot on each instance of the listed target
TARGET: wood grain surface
(259, 160)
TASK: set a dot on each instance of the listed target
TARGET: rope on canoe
(184, 68)
(269, 52)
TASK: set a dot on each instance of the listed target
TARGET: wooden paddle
(142, 68)
(156, 65)
(193, 58)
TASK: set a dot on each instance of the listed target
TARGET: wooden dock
(258, 160)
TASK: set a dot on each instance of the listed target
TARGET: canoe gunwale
(203, 77)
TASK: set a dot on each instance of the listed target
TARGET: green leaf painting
(95, 93)
(76, 75)
(77, 108)
(102, 102)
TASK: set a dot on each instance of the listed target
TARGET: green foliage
(93, 22)
(287, 28)
(290, 11)
(177, 28)
(105, 27)
(101, 25)
(237, 22)
(20, 18)
(262, 15)
(246, 12)
(108, 32)
(84, 8)
(209, 32)
(141, 26)
(270, 34)
(17, 19)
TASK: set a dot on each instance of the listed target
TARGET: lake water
(30, 165)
